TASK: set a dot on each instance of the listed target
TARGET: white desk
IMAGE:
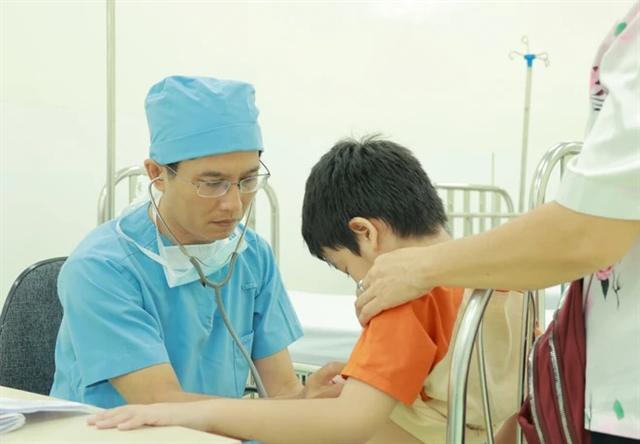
(66, 427)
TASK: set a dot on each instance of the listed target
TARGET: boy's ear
(367, 234)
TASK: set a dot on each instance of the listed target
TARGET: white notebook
(12, 411)
(10, 421)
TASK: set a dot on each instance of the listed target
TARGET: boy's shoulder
(447, 300)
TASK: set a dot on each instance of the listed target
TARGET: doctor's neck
(176, 233)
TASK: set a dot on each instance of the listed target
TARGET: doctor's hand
(131, 417)
(394, 279)
(324, 383)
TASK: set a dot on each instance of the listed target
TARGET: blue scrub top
(121, 316)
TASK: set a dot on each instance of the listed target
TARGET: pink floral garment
(607, 278)
(612, 294)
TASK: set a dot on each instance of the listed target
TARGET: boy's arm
(355, 416)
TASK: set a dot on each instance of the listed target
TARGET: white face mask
(212, 257)
(177, 267)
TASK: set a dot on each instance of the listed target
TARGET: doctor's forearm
(180, 396)
(293, 390)
(548, 246)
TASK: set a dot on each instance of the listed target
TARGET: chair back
(29, 326)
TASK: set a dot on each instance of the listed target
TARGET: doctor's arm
(278, 376)
(355, 416)
(157, 383)
(113, 337)
(276, 327)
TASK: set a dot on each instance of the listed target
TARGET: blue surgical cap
(192, 117)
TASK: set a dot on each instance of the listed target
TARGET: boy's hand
(131, 417)
(321, 384)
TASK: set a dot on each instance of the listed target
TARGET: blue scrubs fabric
(121, 316)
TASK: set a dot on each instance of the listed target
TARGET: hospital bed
(473, 209)
(470, 334)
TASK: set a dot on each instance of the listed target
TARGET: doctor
(138, 327)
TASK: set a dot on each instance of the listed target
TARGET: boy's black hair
(371, 178)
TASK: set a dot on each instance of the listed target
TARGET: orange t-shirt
(400, 346)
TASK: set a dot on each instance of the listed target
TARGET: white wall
(434, 76)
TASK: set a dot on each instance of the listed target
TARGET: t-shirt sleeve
(604, 180)
(110, 331)
(395, 352)
(275, 322)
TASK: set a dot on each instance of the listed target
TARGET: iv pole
(529, 57)
(111, 109)
(527, 104)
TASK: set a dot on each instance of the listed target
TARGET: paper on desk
(10, 405)
(10, 421)
(12, 410)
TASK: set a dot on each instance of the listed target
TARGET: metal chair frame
(471, 323)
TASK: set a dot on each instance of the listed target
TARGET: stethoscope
(217, 286)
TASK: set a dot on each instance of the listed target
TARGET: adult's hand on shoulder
(394, 279)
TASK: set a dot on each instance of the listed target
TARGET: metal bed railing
(471, 323)
(274, 210)
(133, 173)
(481, 207)
(560, 153)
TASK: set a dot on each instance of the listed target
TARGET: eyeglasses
(218, 188)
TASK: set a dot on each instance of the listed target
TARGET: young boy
(362, 199)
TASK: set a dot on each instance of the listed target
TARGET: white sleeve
(604, 180)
